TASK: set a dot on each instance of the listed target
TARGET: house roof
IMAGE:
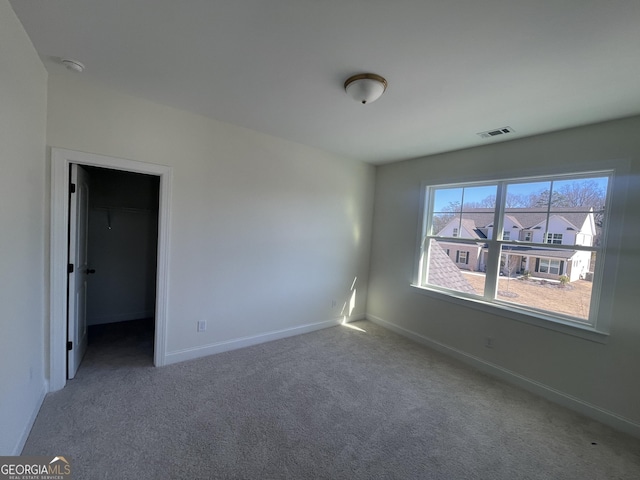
(525, 218)
(470, 226)
(444, 273)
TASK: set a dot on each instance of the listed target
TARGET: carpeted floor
(339, 403)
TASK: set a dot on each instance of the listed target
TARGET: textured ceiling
(455, 67)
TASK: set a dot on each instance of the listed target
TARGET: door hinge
(72, 188)
(70, 268)
(69, 345)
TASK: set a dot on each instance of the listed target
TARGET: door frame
(61, 159)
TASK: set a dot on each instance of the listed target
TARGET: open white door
(78, 267)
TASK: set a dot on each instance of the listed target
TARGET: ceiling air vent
(496, 132)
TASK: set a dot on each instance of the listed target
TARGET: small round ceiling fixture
(365, 87)
(73, 65)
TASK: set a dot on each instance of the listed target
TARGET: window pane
(446, 211)
(480, 197)
(526, 210)
(533, 221)
(447, 200)
(450, 219)
(456, 266)
(528, 195)
(546, 279)
(581, 192)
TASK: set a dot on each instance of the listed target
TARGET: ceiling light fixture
(73, 65)
(365, 87)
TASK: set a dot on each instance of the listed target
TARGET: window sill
(532, 318)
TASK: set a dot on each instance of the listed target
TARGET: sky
(444, 196)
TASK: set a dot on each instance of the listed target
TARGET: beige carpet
(335, 404)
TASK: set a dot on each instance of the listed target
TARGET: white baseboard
(17, 450)
(592, 411)
(219, 347)
(353, 318)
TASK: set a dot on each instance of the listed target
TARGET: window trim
(605, 275)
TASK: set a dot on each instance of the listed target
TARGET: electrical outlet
(489, 342)
(202, 325)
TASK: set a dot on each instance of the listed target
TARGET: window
(553, 238)
(527, 281)
(546, 265)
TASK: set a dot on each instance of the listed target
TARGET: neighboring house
(566, 226)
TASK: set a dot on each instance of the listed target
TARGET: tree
(585, 193)
(515, 200)
(541, 199)
(440, 219)
(582, 194)
(487, 202)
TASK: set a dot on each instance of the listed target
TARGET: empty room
(302, 239)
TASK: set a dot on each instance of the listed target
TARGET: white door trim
(60, 164)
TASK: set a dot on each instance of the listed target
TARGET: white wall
(23, 103)
(602, 377)
(265, 233)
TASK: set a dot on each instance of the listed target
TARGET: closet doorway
(122, 240)
(63, 163)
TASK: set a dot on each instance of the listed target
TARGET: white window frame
(597, 328)
(528, 236)
(506, 235)
(553, 238)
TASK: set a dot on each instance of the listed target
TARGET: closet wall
(123, 233)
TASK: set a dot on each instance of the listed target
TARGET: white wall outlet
(202, 325)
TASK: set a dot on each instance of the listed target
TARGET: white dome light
(73, 65)
(365, 87)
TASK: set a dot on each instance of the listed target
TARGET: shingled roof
(471, 227)
(444, 273)
(527, 218)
